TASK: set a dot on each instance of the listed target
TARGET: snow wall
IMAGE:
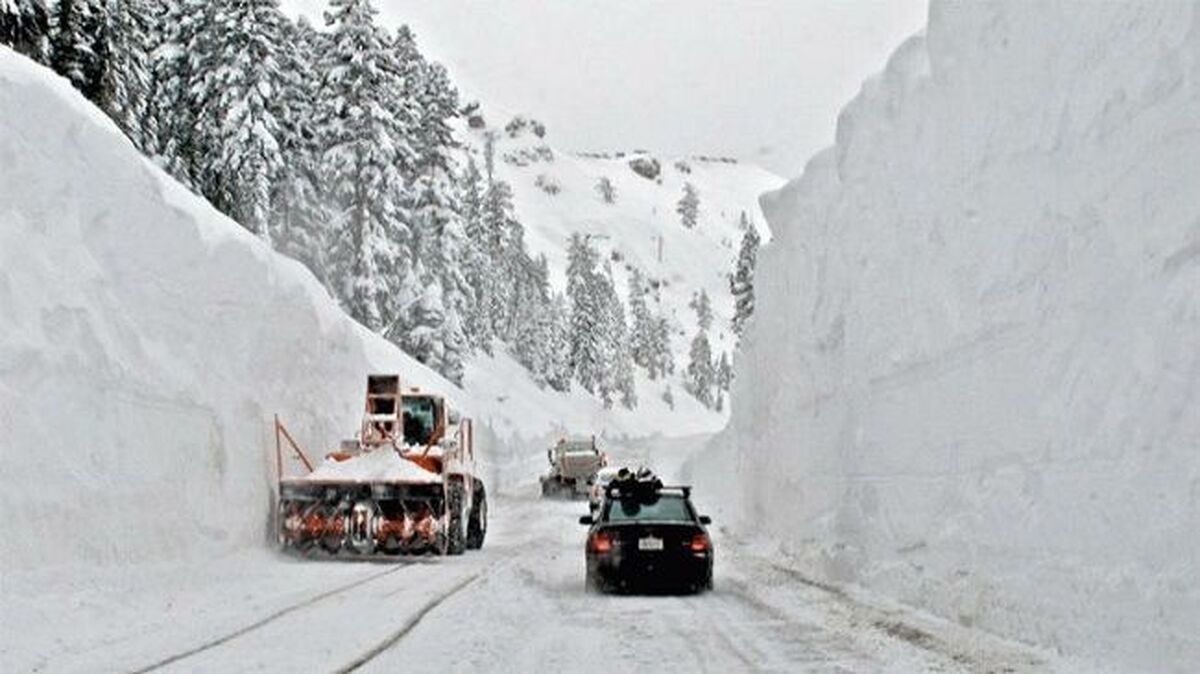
(975, 360)
(145, 343)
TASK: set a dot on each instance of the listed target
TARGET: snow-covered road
(517, 605)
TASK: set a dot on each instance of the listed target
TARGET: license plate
(650, 544)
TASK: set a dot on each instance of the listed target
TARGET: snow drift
(973, 378)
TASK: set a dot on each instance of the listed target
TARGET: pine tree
(477, 267)
(237, 90)
(606, 190)
(701, 378)
(419, 326)
(533, 329)
(71, 43)
(724, 372)
(586, 335)
(688, 207)
(25, 26)
(439, 236)
(741, 283)
(622, 359)
(641, 336)
(558, 348)
(455, 349)
(616, 371)
(173, 107)
(703, 308)
(505, 247)
(365, 147)
(668, 397)
(299, 214)
(119, 74)
(662, 360)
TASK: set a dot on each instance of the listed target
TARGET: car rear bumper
(651, 571)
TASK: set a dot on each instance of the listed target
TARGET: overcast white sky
(762, 80)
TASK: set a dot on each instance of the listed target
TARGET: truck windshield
(665, 508)
(420, 418)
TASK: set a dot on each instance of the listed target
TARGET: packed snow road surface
(517, 605)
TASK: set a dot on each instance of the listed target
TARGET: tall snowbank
(145, 343)
(973, 377)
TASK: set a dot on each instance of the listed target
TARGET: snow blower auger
(406, 485)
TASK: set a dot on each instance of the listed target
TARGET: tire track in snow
(410, 624)
(266, 620)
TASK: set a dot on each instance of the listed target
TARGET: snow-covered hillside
(973, 379)
(556, 194)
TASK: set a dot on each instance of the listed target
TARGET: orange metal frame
(281, 433)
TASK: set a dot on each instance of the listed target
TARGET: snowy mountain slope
(642, 221)
(973, 379)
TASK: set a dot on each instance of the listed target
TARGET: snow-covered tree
(299, 215)
(688, 207)
(455, 349)
(642, 332)
(119, 70)
(419, 324)
(71, 42)
(649, 336)
(606, 190)
(558, 348)
(701, 378)
(533, 327)
(616, 374)
(741, 283)
(439, 232)
(477, 266)
(504, 244)
(668, 397)
(238, 86)
(25, 26)
(702, 305)
(366, 144)
(622, 359)
(724, 372)
(587, 336)
(173, 106)
(662, 360)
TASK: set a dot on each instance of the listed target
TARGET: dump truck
(574, 462)
(406, 484)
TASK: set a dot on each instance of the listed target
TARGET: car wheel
(593, 585)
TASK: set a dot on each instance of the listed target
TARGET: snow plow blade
(362, 519)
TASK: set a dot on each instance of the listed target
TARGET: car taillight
(700, 543)
(600, 542)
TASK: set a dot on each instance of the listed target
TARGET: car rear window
(663, 509)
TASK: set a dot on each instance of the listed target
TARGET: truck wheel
(477, 522)
(456, 537)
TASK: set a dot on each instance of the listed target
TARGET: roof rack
(614, 489)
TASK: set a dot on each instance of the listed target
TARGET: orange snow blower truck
(407, 484)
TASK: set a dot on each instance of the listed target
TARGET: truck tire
(456, 543)
(477, 521)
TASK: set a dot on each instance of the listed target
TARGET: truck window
(420, 419)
